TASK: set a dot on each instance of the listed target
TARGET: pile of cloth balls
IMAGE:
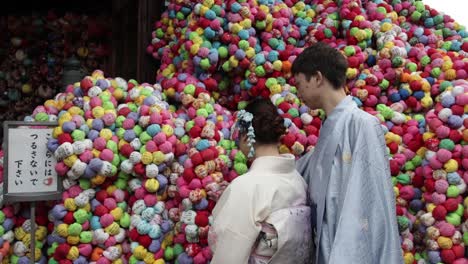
(144, 164)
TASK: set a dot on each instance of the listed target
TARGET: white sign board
(29, 172)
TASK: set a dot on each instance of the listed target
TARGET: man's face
(308, 90)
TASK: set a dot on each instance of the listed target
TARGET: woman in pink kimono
(262, 215)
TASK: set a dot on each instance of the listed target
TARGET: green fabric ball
(78, 135)
(447, 144)
(41, 117)
(125, 220)
(240, 168)
(202, 112)
(81, 216)
(85, 184)
(86, 237)
(223, 52)
(460, 210)
(453, 191)
(74, 229)
(145, 137)
(138, 130)
(111, 145)
(168, 253)
(178, 249)
(453, 219)
(2, 217)
(404, 179)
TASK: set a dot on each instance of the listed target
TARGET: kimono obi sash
(286, 236)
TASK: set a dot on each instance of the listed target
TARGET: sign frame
(9, 198)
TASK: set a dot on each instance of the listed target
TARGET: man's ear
(318, 78)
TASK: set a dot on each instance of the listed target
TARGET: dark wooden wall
(132, 24)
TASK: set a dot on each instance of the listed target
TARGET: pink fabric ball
(442, 132)
(446, 229)
(195, 184)
(150, 200)
(441, 186)
(86, 156)
(151, 146)
(165, 147)
(444, 155)
(99, 143)
(106, 155)
(160, 138)
(106, 220)
(110, 203)
(438, 198)
(74, 191)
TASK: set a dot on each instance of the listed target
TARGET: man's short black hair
(320, 57)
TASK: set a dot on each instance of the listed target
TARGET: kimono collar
(344, 105)
(274, 164)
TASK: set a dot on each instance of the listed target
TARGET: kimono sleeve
(366, 229)
(236, 220)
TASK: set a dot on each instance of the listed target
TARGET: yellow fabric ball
(146, 158)
(117, 213)
(73, 240)
(73, 253)
(69, 204)
(451, 166)
(444, 242)
(70, 160)
(62, 230)
(106, 133)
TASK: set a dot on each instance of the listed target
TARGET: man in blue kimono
(351, 194)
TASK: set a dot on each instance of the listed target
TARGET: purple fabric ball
(97, 124)
(455, 122)
(80, 260)
(184, 259)
(202, 205)
(93, 134)
(448, 101)
(52, 145)
(165, 226)
(23, 260)
(434, 257)
(94, 203)
(68, 127)
(162, 181)
(58, 212)
(129, 135)
(154, 246)
(102, 84)
(89, 173)
(149, 101)
(134, 116)
(95, 164)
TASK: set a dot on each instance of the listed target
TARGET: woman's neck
(266, 150)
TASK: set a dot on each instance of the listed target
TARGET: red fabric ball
(418, 181)
(42, 219)
(124, 111)
(207, 154)
(458, 250)
(126, 150)
(284, 106)
(64, 137)
(133, 234)
(86, 83)
(101, 195)
(215, 152)
(439, 213)
(448, 256)
(432, 144)
(451, 204)
(457, 109)
(201, 220)
(61, 251)
(139, 169)
(393, 146)
(188, 175)
(65, 261)
(394, 167)
(211, 205)
(69, 219)
(311, 130)
(197, 159)
(298, 122)
(211, 84)
(430, 185)
(145, 241)
(195, 132)
(289, 139)
(455, 136)
(180, 149)
(100, 210)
